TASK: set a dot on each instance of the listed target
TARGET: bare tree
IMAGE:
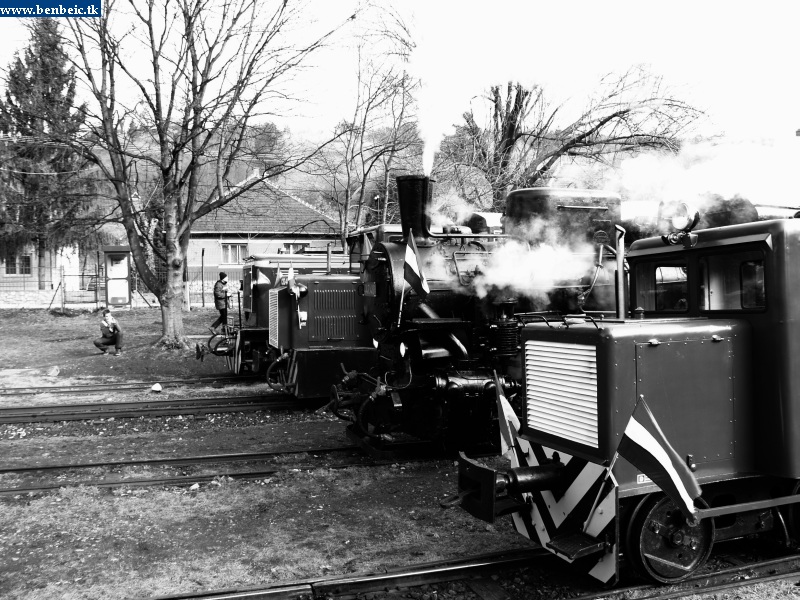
(177, 87)
(526, 137)
(357, 168)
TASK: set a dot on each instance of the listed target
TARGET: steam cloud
(516, 267)
(759, 171)
(533, 271)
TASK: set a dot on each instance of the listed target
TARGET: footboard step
(576, 545)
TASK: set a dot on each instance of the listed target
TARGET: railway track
(392, 580)
(149, 408)
(473, 572)
(729, 578)
(133, 385)
(409, 451)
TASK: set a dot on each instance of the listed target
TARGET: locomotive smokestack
(414, 193)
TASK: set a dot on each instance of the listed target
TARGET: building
(263, 220)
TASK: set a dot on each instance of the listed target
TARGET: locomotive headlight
(685, 217)
(402, 349)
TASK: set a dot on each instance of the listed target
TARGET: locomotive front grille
(333, 314)
(561, 390)
(335, 300)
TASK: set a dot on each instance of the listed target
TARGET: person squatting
(112, 334)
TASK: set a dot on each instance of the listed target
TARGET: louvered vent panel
(273, 317)
(334, 299)
(561, 382)
(335, 327)
(333, 314)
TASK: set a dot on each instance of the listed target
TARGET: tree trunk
(41, 262)
(172, 307)
(171, 297)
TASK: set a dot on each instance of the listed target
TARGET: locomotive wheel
(662, 545)
(631, 536)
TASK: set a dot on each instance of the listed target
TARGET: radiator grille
(561, 384)
(333, 314)
(334, 327)
(331, 299)
(273, 317)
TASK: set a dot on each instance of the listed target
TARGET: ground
(49, 339)
(310, 520)
(313, 519)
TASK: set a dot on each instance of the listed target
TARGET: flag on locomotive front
(509, 422)
(412, 272)
(645, 446)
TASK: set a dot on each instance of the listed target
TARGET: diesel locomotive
(299, 317)
(439, 345)
(647, 438)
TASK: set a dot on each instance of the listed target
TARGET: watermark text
(50, 8)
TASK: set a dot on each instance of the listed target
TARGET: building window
(25, 264)
(18, 265)
(234, 253)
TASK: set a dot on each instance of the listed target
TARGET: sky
(737, 61)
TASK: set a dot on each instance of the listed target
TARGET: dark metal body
(315, 321)
(711, 345)
(666, 360)
(438, 355)
(301, 319)
(775, 330)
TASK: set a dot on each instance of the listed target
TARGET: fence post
(63, 290)
(203, 277)
(97, 281)
(187, 299)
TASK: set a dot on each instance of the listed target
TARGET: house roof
(266, 209)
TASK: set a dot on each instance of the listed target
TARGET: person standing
(220, 302)
(111, 334)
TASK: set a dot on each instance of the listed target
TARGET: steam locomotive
(708, 347)
(439, 347)
(349, 328)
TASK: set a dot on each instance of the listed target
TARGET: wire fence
(49, 288)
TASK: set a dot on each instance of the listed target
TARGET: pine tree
(43, 187)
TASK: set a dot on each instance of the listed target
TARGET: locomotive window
(733, 282)
(662, 287)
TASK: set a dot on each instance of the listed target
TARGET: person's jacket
(109, 328)
(221, 294)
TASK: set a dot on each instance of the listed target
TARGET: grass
(89, 543)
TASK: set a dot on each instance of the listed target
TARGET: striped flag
(646, 448)
(412, 272)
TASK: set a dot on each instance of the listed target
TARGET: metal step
(576, 545)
